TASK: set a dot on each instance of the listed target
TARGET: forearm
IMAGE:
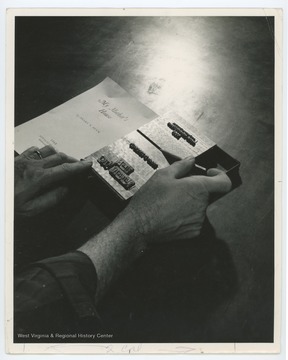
(115, 249)
(55, 295)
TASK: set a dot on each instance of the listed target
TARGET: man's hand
(172, 205)
(41, 178)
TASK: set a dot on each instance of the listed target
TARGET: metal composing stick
(171, 158)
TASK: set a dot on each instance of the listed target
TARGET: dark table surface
(217, 72)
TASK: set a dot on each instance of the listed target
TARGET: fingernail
(191, 158)
(88, 162)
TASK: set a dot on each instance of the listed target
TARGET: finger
(189, 231)
(217, 181)
(47, 151)
(214, 172)
(30, 154)
(46, 201)
(64, 172)
(181, 168)
(30, 151)
(184, 232)
(57, 159)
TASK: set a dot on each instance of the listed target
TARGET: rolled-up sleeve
(56, 295)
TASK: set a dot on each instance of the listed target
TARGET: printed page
(86, 123)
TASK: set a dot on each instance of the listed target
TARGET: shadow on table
(170, 294)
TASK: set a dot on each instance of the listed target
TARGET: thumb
(181, 168)
(214, 172)
(64, 172)
(217, 181)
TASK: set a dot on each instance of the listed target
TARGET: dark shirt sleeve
(56, 295)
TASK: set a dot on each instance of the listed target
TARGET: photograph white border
(146, 348)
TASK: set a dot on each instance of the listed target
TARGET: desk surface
(219, 74)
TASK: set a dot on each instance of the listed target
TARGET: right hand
(172, 205)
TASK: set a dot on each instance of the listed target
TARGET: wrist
(114, 249)
(141, 217)
(130, 231)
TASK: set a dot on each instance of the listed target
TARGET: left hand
(41, 179)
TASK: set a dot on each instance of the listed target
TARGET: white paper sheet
(85, 123)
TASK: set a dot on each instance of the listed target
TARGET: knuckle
(196, 233)
(42, 183)
(26, 210)
(29, 210)
(60, 194)
(43, 179)
(65, 167)
(33, 172)
(20, 166)
(62, 156)
(159, 173)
